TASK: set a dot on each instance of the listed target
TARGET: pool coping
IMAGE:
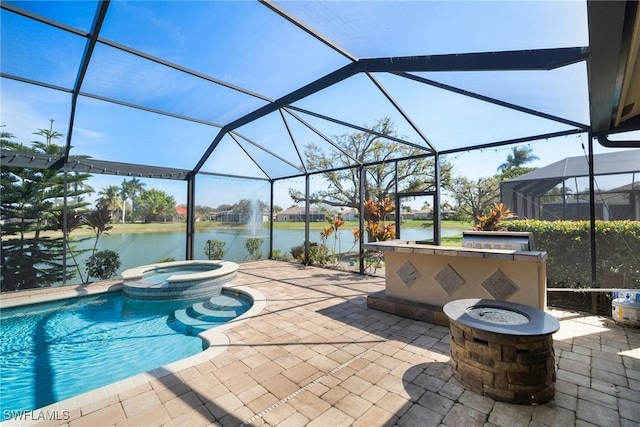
(225, 268)
(215, 338)
(38, 295)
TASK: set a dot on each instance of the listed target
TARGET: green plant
(567, 244)
(166, 259)
(297, 252)
(74, 221)
(103, 264)
(31, 258)
(318, 254)
(214, 249)
(99, 221)
(491, 222)
(254, 247)
(375, 213)
(276, 254)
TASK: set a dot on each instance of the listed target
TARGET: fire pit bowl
(503, 350)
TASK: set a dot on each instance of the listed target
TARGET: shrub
(214, 249)
(297, 252)
(568, 246)
(254, 247)
(103, 264)
(317, 253)
(493, 221)
(166, 259)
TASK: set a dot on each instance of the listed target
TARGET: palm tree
(109, 198)
(130, 190)
(49, 134)
(518, 157)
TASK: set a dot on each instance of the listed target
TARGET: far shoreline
(172, 227)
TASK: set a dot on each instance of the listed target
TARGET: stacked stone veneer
(508, 368)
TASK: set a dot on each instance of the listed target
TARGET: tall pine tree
(32, 201)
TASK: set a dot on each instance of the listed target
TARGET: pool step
(205, 315)
(201, 312)
(182, 322)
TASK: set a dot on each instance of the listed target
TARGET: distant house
(349, 215)
(297, 214)
(238, 217)
(229, 216)
(423, 214)
(181, 213)
(447, 213)
(403, 215)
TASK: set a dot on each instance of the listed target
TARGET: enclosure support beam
(436, 201)
(191, 210)
(361, 220)
(271, 220)
(515, 60)
(84, 65)
(65, 231)
(592, 223)
(397, 198)
(307, 245)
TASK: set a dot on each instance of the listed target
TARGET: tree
(110, 198)
(475, 198)
(98, 220)
(130, 191)
(30, 205)
(343, 186)
(74, 221)
(518, 157)
(49, 134)
(202, 212)
(248, 207)
(223, 208)
(156, 205)
(514, 171)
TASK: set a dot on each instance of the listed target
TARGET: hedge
(567, 244)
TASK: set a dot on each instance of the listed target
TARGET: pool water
(161, 274)
(53, 351)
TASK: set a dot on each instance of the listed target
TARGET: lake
(137, 249)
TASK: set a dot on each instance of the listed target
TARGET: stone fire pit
(503, 350)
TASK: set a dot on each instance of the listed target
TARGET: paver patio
(317, 356)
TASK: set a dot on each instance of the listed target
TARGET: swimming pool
(53, 351)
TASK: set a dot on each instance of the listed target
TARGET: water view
(137, 249)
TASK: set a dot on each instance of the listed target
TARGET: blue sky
(245, 44)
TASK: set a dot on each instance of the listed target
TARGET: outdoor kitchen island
(421, 279)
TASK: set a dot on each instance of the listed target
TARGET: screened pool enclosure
(230, 112)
